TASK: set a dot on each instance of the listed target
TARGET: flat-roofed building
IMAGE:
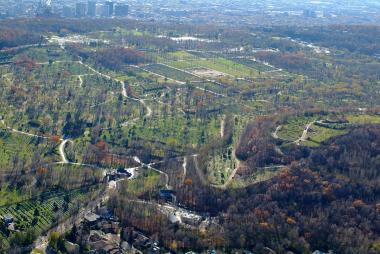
(121, 10)
(91, 8)
(80, 10)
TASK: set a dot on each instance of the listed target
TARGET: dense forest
(326, 199)
(356, 39)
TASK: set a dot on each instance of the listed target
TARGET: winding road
(275, 133)
(304, 135)
(61, 149)
(303, 138)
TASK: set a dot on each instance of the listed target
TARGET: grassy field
(220, 166)
(219, 64)
(185, 60)
(363, 118)
(255, 65)
(319, 134)
(294, 126)
(44, 54)
(171, 73)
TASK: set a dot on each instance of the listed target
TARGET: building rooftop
(91, 217)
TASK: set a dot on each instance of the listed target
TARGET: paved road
(61, 149)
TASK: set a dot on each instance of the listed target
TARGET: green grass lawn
(294, 127)
(185, 60)
(363, 118)
(320, 134)
(171, 73)
(221, 166)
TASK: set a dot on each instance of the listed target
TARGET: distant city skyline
(197, 11)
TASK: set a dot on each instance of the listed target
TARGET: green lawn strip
(363, 118)
(171, 73)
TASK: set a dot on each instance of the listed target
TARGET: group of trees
(115, 58)
(256, 146)
(356, 39)
(329, 200)
(302, 211)
(17, 37)
(298, 212)
(356, 155)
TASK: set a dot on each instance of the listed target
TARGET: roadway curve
(303, 137)
(61, 149)
(275, 133)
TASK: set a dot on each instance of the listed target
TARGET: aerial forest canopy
(119, 134)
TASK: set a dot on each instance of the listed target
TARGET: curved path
(303, 137)
(61, 149)
(202, 177)
(275, 133)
